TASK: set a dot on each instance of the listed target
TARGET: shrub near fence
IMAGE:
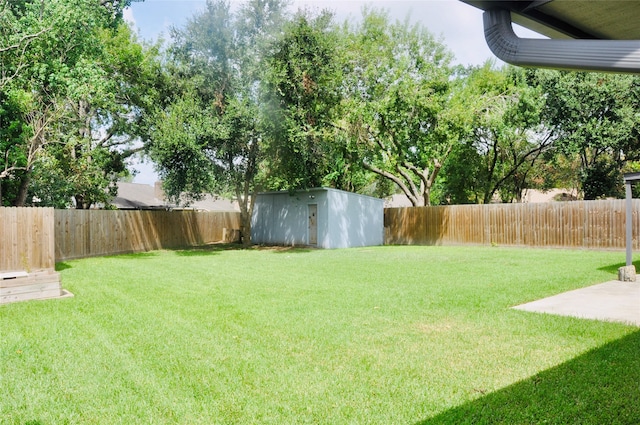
(578, 224)
(86, 233)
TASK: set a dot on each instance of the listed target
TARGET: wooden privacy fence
(33, 239)
(26, 239)
(86, 233)
(27, 261)
(578, 224)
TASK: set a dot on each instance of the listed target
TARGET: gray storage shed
(322, 217)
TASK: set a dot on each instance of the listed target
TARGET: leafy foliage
(502, 153)
(249, 97)
(302, 92)
(85, 84)
(397, 88)
(595, 120)
(208, 138)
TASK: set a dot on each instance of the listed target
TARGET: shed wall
(343, 219)
(354, 220)
(282, 219)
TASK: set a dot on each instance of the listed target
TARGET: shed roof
(318, 189)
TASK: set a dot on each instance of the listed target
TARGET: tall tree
(302, 91)
(596, 122)
(110, 104)
(70, 92)
(208, 138)
(397, 88)
(502, 153)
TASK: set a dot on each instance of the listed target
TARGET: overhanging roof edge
(632, 178)
(592, 55)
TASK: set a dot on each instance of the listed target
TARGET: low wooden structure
(27, 255)
(23, 286)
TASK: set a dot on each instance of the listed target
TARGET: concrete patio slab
(612, 301)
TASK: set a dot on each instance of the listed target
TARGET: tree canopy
(301, 92)
(400, 116)
(502, 152)
(208, 138)
(255, 96)
(595, 119)
(76, 84)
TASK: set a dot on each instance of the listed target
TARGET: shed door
(313, 224)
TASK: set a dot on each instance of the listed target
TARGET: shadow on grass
(613, 268)
(280, 249)
(138, 255)
(213, 249)
(205, 250)
(62, 266)
(601, 386)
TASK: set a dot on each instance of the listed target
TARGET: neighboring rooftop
(135, 196)
(145, 197)
(529, 196)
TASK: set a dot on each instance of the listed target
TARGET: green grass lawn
(384, 335)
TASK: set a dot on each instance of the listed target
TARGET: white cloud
(127, 14)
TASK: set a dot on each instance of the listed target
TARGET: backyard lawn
(384, 335)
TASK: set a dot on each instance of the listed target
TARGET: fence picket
(577, 224)
(26, 239)
(93, 233)
(34, 238)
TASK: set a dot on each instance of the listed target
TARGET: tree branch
(393, 178)
(26, 38)
(129, 152)
(409, 180)
(537, 151)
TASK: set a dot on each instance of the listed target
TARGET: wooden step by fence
(23, 286)
(27, 255)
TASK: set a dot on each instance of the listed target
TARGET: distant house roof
(399, 200)
(211, 203)
(138, 196)
(530, 196)
(145, 197)
(534, 196)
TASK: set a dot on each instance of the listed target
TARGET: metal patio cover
(582, 19)
(597, 35)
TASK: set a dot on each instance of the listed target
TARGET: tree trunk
(245, 229)
(81, 203)
(245, 220)
(21, 199)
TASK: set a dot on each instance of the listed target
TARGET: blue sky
(459, 25)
